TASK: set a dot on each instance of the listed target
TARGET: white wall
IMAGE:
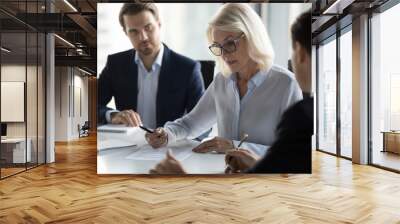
(33, 126)
(61, 103)
(14, 73)
(278, 18)
(71, 94)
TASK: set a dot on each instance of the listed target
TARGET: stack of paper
(116, 128)
(116, 136)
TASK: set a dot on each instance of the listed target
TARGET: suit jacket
(180, 85)
(291, 152)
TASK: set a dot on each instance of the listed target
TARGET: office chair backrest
(207, 69)
(86, 126)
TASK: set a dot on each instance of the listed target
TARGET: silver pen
(245, 136)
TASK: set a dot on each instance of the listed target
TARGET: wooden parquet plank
(70, 191)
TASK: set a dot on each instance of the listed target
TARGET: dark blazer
(291, 152)
(180, 85)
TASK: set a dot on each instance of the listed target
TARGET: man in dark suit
(151, 84)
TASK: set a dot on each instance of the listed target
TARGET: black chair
(207, 70)
(84, 130)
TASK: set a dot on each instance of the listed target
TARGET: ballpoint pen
(146, 129)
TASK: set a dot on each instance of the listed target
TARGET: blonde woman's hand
(217, 144)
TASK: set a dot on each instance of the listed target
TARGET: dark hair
(135, 8)
(301, 31)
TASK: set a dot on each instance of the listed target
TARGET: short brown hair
(301, 31)
(135, 8)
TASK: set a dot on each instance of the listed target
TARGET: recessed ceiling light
(70, 5)
(84, 71)
(64, 40)
(338, 6)
(5, 50)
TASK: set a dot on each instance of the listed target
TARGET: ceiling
(74, 22)
(332, 15)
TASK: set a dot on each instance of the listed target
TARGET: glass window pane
(13, 86)
(327, 97)
(346, 94)
(41, 99)
(385, 84)
(31, 97)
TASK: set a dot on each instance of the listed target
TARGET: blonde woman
(248, 96)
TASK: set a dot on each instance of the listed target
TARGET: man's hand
(127, 117)
(168, 166)
(240, 160)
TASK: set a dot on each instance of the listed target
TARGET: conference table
(127, 152)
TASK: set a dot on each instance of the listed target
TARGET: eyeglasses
(228, 47)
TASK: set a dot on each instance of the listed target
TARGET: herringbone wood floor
(70, 191)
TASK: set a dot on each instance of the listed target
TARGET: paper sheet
(114, 139)
(146, 152)
(112, 143)
(116, 128)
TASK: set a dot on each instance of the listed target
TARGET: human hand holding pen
(238, 160)
(228, 160)
(158, 138)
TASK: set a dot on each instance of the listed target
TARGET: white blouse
(270, 92)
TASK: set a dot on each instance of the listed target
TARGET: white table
(114, 161)
(18, 149)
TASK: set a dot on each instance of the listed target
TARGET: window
(22, 68)
(327, 97)
(346, 94)
(385, 84)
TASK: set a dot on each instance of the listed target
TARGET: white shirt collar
(257, 78)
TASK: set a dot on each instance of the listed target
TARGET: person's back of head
(301, 58)
(301, 31)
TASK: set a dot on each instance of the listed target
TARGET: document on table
(112, 143)
(146, 152)
(116, 128)
(116, 136)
